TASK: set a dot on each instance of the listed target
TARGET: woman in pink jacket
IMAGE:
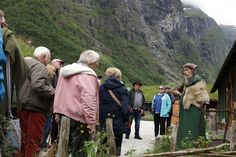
(77, 97)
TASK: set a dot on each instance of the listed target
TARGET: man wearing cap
(137, 101)
(36, 96)
(193, 97)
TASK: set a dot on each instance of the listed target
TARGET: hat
(167, 87)
(57, 60)
(137, 82)
(190, 66)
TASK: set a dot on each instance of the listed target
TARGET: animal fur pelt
(196, 95)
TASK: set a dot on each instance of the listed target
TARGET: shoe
(138, 137)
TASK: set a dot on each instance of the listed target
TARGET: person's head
(2, 19)
(57, 63)
(113, 72)
(189, 69)
(161, 89)
(167, 89)
(137, 85)
(51, 70)
(90, 58)
(43, 54)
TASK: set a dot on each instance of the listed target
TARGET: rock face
(230, 33)
(174, 33)
(159, 35)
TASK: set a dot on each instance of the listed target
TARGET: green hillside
(46, 23)
(143, 48)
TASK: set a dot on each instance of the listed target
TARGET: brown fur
(196, 95)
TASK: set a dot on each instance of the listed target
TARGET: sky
(222, 11)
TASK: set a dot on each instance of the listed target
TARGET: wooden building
(226, 86)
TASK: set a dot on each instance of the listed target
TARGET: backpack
(3, 60)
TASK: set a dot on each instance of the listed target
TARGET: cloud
(223, 11)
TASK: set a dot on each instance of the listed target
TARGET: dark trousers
(47, 130)
(55, 130)
(169, 118)
(118, 141)
(79, 133)
(159, 121)
(32, 126)
(136, 115)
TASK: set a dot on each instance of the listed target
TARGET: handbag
(12, 133)
(12, 126)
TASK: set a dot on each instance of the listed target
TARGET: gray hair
(88, 57)
(41, 50)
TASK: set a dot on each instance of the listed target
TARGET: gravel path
(140, 146)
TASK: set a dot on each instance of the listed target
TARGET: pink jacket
(77, 94)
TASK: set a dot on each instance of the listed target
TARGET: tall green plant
(97, 147)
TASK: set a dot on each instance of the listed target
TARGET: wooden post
(232, 136)
(110, 136)
(174, 136)
(62, 150)
(212, 120)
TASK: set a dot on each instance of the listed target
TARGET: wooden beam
(185, 152)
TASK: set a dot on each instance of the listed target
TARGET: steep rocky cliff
(147, 39)
(230, 33)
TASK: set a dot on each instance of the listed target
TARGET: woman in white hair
(194, 96)
(76, 97)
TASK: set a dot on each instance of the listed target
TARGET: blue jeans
(47, 130)
(136, 115)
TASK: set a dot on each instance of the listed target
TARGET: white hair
(88, 57)
(41, 50)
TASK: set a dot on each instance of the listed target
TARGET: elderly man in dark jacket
(36, 96)
(137, 101)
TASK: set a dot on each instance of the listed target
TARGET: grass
(150, 91)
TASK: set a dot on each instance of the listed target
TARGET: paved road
(140, 146)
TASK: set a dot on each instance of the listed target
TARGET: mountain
(148, 40)
(230, 33)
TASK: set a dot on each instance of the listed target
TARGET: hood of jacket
(76, 68)
(112, 83)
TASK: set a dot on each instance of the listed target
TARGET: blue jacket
(3, 60)
(110, 109)
(165, 105)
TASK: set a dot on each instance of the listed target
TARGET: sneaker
(138, 137)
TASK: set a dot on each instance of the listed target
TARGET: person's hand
(57, 118)
(92, 128)
(176, 92)
(141, 111)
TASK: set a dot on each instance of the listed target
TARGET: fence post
(232, 136)
(62, 150)
(174, 136)
(110, 136)
(212, 120)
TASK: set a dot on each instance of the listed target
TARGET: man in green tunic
(192, 99)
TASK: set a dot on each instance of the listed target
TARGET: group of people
(162, 104)
(45, 88)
